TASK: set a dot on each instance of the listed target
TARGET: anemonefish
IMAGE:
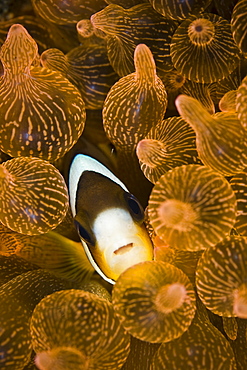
(109, 219)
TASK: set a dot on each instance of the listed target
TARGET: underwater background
(156, 90)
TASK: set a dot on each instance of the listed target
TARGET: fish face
(120, 241)
(109, 220)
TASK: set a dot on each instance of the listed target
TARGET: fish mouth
(124, 249)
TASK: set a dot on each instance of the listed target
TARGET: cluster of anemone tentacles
(158, 89)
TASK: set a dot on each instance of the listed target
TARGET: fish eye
(134, 206)
(85, 234)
